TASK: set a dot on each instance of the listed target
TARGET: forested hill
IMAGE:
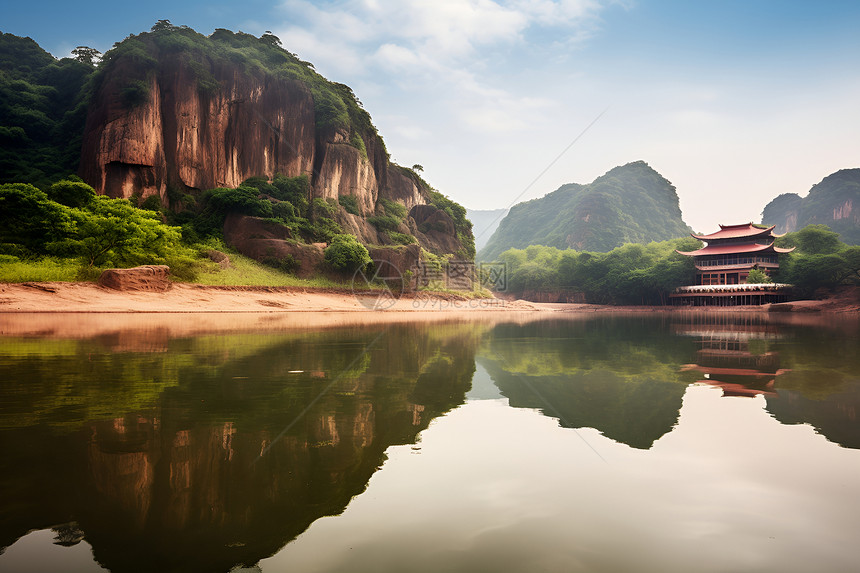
(42, 111)
(629, 204)
(834, 202)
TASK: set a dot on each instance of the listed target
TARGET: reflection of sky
(483, 387)
(36, 553)
(494, 488)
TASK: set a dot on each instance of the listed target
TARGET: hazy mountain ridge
(834, 202)
(484, 224)
(629, 204)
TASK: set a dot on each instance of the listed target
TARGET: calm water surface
(682, 442)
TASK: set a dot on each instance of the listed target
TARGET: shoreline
(83, 310)
(91, 298)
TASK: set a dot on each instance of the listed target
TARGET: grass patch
(438, 288)
(43, 270)
(245, 271)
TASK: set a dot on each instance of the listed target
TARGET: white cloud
(446, 50)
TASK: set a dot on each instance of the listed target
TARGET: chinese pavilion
(733, 251)
(725, 262)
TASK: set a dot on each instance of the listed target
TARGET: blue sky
(734, 102)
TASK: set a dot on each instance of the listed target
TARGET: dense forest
(43, 105)
(629, 204)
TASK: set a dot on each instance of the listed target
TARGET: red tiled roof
(736, 231)
(735, 250)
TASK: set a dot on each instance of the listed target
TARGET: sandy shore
(54, 297)
(86, 309)
(188, 298)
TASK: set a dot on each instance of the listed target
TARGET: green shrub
(284, 210)
(349, 203)
(757, 276)
(320, 231)
(134, 93)
(401, 238)
(285, 264)
(357, 142)
(293, 189)
(393, 209)
(71, 192)
(151, 203)
(244, 200)
(345, 253)
(384, 222)
(322, 208)
(30, 219)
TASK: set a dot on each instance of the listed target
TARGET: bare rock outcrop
(392, 262)
(269, 243)
(247, 124)
(344, 171)
(149, 278)
(191, 139)
(434, 229)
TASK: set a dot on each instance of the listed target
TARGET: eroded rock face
(434, 229)
(185, 137)
(150, 278)
(190, 139)
(345, 172)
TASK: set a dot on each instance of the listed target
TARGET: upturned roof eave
(726, 232)
(717, 250)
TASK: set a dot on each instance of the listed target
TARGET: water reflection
(200, 454)
(626, 376)
(617, 375)
(208, 452)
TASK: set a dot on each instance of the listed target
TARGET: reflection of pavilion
(724, 359)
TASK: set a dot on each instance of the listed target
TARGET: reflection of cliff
(835, 417)
(619, 377)
(238, 456)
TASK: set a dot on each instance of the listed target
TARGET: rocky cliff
(174, 113)
(834, 202)
(174, 108)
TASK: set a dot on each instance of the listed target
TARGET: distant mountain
(629, 204)
(834, 202)
(484, 224)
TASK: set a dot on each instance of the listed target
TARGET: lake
(539, 442)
